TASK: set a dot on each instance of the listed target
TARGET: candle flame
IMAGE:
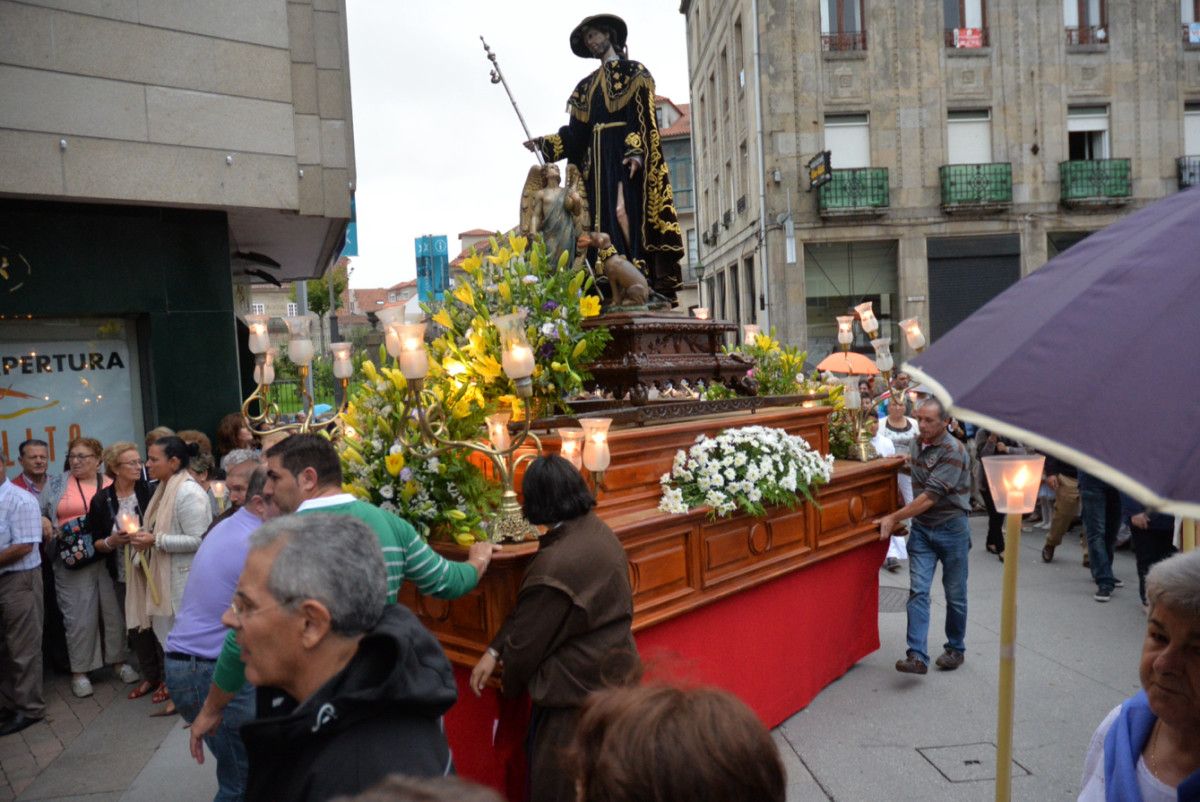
(1019, 479)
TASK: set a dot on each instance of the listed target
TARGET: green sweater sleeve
(432, 573)
(230, 672)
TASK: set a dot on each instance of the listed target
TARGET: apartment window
(718, 304)
(969, 137)
(692, 248)
(1087, 133)
(848, 138)
(739, 53)
(258, 309)
(843, 25)
(735, 294)
(966, 23)
(725, 81)
(1189, 15)
(292, 309)
(1086, 22)
(1191, 129)
(744, 165)
(748, 272)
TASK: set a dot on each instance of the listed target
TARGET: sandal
(992, 548)
(160, 694)
(141, 690)
(166, 710)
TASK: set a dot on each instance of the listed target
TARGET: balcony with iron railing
(1189, 171)
(1095, 182)
(857, 192)
(1087, 35)
(955, 38)
(976, 187)
(844, 41)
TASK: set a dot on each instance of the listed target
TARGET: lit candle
(128, 523)
(867, 317)
(518, 361)
(497, 426)
(220, 493)
(749, 333)
(259, 342)
(845, 335)
(414, 360)
(912, 332)
(700, 313)
(596, 456)
(342, 367)
(569, 450)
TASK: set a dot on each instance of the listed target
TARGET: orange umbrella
(848, 362)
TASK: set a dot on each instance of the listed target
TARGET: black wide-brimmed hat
(610, 21)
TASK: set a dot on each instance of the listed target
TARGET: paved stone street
(873, 734)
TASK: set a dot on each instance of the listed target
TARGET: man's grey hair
(1175, 582)
(238, 456)
(333, 559)
(933, 402)
(257, 483)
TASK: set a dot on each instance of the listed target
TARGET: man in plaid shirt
(21, 702)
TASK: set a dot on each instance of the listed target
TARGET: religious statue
(558, 213)
(612, 139)
(628, 285)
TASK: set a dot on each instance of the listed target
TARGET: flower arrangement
(449, 495)
(519, 277)
(778, 369)
(746, 468)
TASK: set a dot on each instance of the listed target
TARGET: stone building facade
(970, 141)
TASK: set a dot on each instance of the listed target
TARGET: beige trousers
(1066, 508)
(88, 601)
(21, 642)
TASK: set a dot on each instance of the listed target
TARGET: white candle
(569, 450)
(259, 342)
(518, 361)
(700, 313)
(1016, 500)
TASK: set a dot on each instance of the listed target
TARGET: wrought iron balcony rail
(976, 186)
(1087, 35)
(1189, 171)
(863, 189)
(846, 40)
(1094, 181)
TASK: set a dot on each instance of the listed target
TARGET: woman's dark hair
(302, 451)
(174, 448)
(554, 491)
(658, 743)
(227, 432)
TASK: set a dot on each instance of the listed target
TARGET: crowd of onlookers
(244, 590)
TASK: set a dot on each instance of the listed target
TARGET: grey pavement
(873, 734)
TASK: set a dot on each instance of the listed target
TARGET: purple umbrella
(1095, 357)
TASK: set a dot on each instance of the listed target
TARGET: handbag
(76, 546)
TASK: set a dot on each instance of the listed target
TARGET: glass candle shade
(867, 318)
(128, 522)
(264, 374)
(570, 449)
(1014, 480)
(343, 368)
(845, 335)
(414, 359)
(391, 318)
(258, 342)
(883, 353)
(300, 344)
(912, 333)
(596, 456)
(497, 426)
(516, 354)
(750, 331)
(700, 313)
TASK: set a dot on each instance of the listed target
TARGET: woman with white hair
(1148, 748)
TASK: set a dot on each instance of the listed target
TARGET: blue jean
(1101, 515)
(949, 542)
(188, 682)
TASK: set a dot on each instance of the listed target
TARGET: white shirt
(1151, 788)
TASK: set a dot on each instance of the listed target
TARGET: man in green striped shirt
(304, 474)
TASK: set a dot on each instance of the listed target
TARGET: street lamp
(1014, 481)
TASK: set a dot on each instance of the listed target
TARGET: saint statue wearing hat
(612, 139)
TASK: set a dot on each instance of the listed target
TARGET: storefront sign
(58, 390)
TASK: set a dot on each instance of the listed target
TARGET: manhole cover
(892, 600)
(968, 762)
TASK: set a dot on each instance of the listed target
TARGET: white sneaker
(81, 687)
(127, 674)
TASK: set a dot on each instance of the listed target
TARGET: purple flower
(405, 474)
(546, 351)
(549, 306)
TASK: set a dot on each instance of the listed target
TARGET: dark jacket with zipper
(379, 715)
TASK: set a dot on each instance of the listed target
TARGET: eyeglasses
(79, 457)
(241, 613)
(133, 463)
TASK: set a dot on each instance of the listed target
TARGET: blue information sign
(433, 268)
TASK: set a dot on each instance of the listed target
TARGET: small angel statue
(558, 213)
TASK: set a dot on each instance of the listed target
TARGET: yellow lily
(442, 318)
(518, 244)
(589, 306)
(502, 257)
(473, 264)
(394, 464)
(505, 291)
(464, 294)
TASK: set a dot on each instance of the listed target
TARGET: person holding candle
(118, 510)
(941, 483)
(86, 594)
(172, 529)
(570, 631)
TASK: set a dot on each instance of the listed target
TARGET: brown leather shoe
(949, 660)
(1047, 553)
(911, 664)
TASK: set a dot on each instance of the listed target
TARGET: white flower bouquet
(748, 469)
